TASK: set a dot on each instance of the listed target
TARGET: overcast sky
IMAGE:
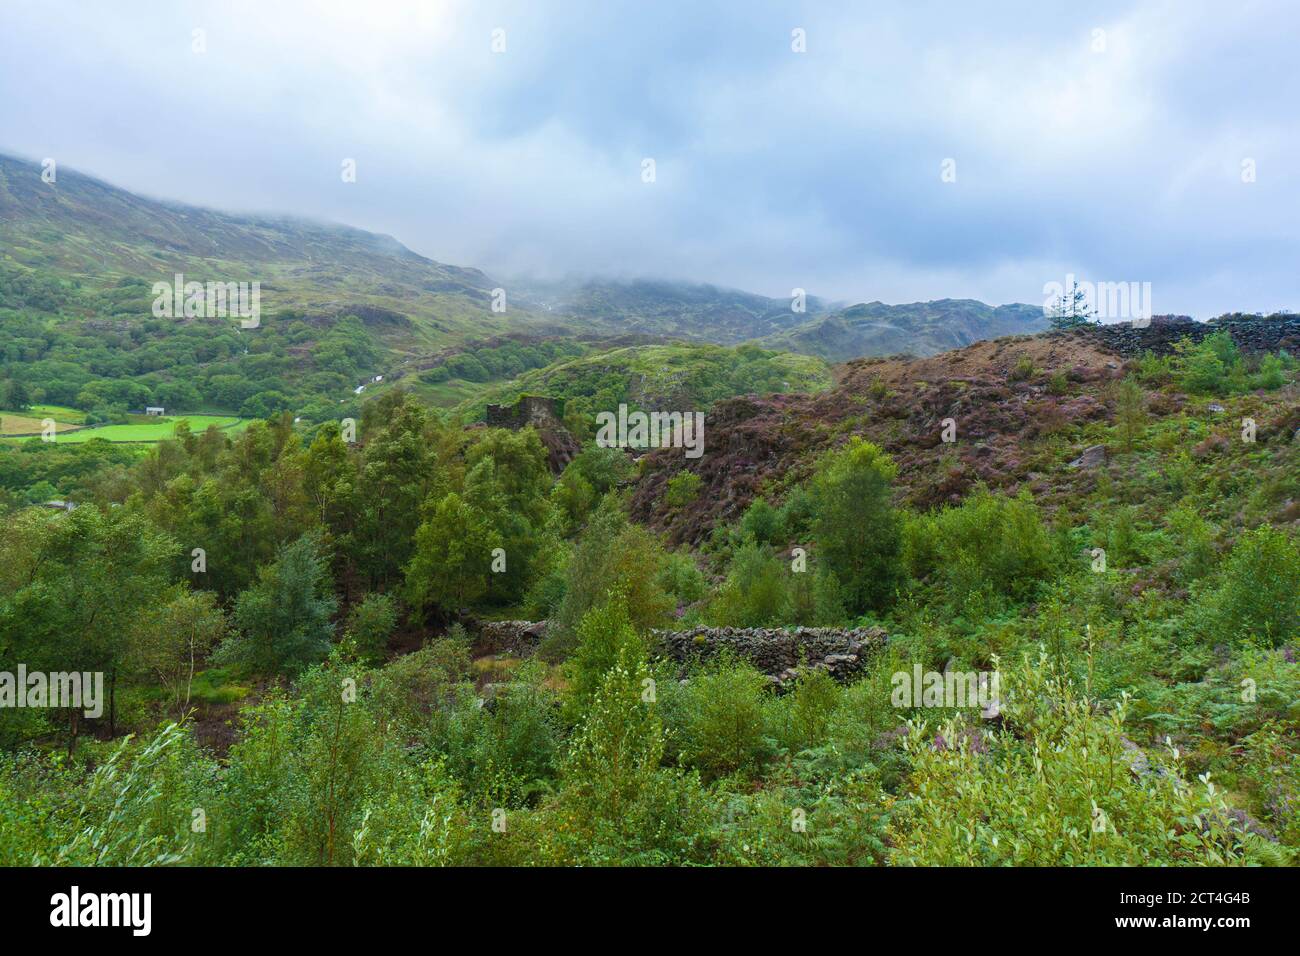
(1114, 155)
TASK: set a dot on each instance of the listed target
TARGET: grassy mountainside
(667, 377)
(80, 248)
(727, 316)
(918, 328)
(1098, 538)
(83, 229)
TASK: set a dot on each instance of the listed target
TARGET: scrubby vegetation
(106, 369)
(678, 376)
(286, 622)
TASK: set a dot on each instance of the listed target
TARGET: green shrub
(617, 804)
(1130, 411)
(815, 598)
(1271, 374)
(1023, 370)
(602, 468)
(1208, 367)
(755, 592)
(1123, 541)
(1259, 597)
(717, 718)
(760, 523)
(283, 619)
(801, 718)
(370, 624)
(573, 497)
(416, 693)
(1272, 769)
(546, 593)
(605, 634)
(1223, 347)
(136, 808)
(504, 751)
(417, 820)
(611, 555)
(988, 547)
(681, 577)
(683, 488)
(1053, 787)
(1192, 541)
(336, 763)
(1155, 370)
(856, 528)
(842, 822)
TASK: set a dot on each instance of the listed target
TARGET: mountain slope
(114, 245)
(918, 328)
(81, 227)
(1024, 410)
(677, 310)
(683, 377)
(680, 310)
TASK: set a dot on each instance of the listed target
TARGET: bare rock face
(1094, 456)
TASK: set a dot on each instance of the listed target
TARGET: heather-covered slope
(1023, 409)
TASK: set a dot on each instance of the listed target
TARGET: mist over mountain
(606, 434)
(82, 227)
(919, 328)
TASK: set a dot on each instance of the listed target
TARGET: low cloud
(1107, 142)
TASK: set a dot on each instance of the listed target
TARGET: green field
(152, 430)
(60, 413)
(446, 394)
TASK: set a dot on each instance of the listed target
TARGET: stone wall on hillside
(1252, 334)
(512, 638)
(778, 653)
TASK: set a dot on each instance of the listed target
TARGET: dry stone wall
(779, 653)
(1252, 334)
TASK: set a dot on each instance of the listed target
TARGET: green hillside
(679, 377)
(918, 328)
(111, 245)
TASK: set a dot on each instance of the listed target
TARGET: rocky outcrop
(781, 654)
(1094, 456)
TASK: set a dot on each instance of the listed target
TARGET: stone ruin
(543, 414)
